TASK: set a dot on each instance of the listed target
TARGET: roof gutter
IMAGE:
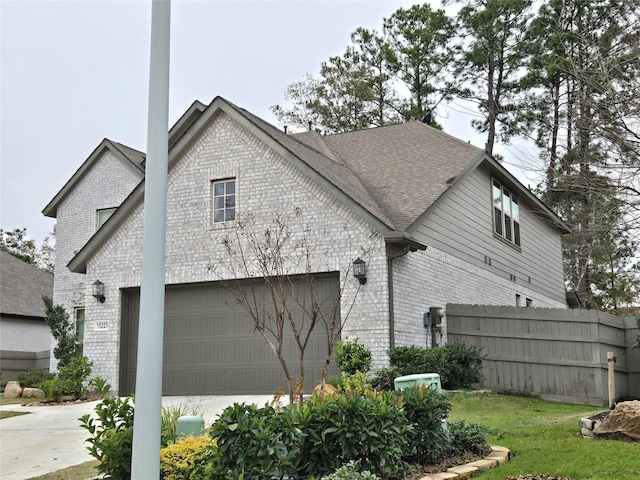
(397, 245)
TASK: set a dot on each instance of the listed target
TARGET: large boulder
(624, 419)
(13, 390)
(33, 393)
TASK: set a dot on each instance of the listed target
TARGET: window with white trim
(103, 215)
(506, 214)
(224, 200)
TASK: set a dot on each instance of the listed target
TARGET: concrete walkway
(50, 438)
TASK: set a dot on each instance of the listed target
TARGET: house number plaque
(102, 325)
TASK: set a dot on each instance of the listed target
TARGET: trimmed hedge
(459, 365)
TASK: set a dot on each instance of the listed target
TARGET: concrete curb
(498, 456)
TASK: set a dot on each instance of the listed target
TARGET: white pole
(611, 362)
(148, 402)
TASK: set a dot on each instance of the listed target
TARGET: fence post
(611, 362)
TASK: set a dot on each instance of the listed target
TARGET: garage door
(211, 347)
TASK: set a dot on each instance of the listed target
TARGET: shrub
(350, 471)
(353, 357)
(426, 409)
(383, 379)
(111, 437)
(355, 383)
(255, 443)
(462, 365)
(370, 429)
(73, 376)
(468, 437)
(100, 386)
(182, 460)
(33, 378)
(459, 365)
(336, 382)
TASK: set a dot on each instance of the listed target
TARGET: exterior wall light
(360, 270)
(97, 290)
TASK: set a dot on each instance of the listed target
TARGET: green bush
(73, 376)
(255, 443)
(468, 437)
(183, 459)
(33, 378)
(370, 429)
(353, 357)
(351, 471)
(355, 383)
(111, 437)
(459, 365)
(100, 386)
(383, 379)
(425, 409)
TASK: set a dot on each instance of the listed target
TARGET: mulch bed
(62, 401)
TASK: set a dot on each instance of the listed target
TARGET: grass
(9, 414)
(20, 401)
(84, 471)
(545, 438)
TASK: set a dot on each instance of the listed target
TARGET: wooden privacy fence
(12, 363)
(559, 354)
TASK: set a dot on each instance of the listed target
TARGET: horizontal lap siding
(462, 225)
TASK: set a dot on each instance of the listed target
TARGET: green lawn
(545, 438)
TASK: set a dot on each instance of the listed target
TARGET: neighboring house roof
(390, 176)
(21, 288)
(123, 152)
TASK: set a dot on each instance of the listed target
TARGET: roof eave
(51, 210)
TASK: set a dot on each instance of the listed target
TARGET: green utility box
(431, 380)
(189, 425)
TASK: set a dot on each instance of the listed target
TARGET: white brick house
(436, 220)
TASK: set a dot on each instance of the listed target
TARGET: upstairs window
(224, 201)
(103, 215)
(506, 214)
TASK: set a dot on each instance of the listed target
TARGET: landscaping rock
(13, 390)
(33, 393)
(624, 420)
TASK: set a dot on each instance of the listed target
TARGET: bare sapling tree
(269, 266)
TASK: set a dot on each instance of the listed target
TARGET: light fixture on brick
(97, 290)
(360, 270)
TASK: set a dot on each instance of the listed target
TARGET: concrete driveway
(50, 438)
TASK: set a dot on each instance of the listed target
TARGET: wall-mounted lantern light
(360, 270)
(97, 290)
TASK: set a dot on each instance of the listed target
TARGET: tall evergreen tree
(491, 61)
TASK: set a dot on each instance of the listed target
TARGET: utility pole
(148, 402)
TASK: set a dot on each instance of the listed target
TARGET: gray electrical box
(426, 319)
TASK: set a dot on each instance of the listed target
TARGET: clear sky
(75, 72)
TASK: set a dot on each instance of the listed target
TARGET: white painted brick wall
(266, 185)
(433, 278)
(106, 185)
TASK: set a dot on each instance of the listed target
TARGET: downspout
(391, 256)
(398, 244)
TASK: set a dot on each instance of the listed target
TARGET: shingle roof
(135, 156)
(22, 286)
(404, 167)
(326, 164)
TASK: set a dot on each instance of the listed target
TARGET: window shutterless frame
(506, 213)
(224, 200)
